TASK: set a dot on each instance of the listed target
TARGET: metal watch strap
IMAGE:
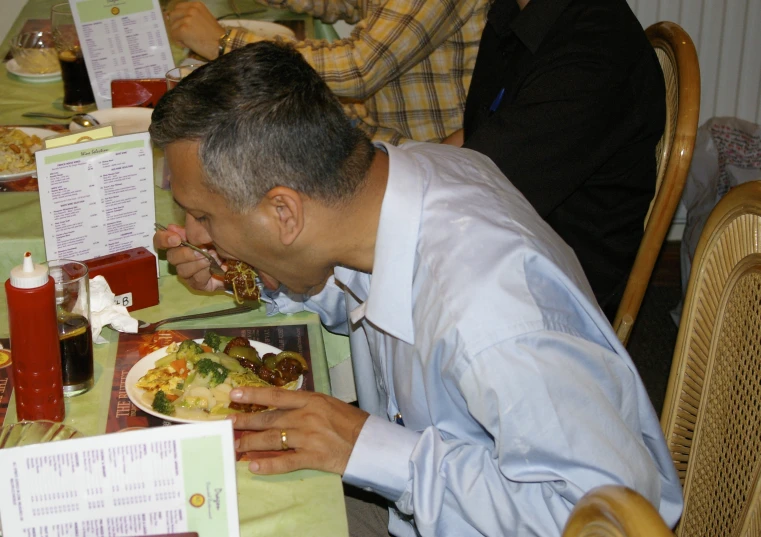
(223, 40)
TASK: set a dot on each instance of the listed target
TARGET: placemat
(123, 414)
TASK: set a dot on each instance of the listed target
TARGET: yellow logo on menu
(114, 10)
(197, 500)
(5, 357)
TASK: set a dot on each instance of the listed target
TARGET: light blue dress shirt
(478, 326)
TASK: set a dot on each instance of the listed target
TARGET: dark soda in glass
(76, 353)
(77, 92)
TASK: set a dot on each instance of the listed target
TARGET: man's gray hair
(264, 118)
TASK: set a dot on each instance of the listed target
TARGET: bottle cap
(29, 275)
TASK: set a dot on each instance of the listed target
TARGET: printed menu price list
(97, 197)
(149, 482)
(125, 39)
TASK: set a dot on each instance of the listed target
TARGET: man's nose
(196, 232)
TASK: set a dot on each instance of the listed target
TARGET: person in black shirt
(568, 99)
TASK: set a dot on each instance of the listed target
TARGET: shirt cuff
(240, 37)
(281, 300)
(380, 460)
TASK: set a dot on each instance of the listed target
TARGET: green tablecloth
(305, 502)
(300, 503)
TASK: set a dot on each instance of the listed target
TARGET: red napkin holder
(131, 275)
(142, 92)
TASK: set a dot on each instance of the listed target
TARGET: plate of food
(27, 76)
(17, 148)
(191, 381)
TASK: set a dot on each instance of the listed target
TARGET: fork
(214, 267)
(144, 327)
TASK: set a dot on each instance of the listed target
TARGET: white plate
(149, 362)
(14, 68)
(31, 131)
(260, 28)
(125, 120)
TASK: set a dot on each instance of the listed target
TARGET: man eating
(493, 393)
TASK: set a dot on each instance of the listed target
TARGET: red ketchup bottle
(36, 351)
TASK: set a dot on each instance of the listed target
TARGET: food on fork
(194, 381)
(17, 150)
(240, 278)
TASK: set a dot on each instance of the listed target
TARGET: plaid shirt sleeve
(393, 37)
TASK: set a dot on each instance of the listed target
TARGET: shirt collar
(389, 302)
(530, 25)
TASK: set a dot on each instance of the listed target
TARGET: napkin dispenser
(143, 92)
(131, 275)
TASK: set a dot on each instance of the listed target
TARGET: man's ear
(287, 207)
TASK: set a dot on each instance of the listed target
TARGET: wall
(343, 29)
(728, 42)
(727, 39)
(9, 10)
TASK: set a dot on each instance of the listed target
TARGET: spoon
(214, 267)
(84, 120)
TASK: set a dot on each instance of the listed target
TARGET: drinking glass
(77, 92)
(26, 433)
(72, 294)
(173, 76)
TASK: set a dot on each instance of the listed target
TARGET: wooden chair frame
(709, 416)
(615, 511)
(681, 70)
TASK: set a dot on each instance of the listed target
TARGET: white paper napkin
(104, 311)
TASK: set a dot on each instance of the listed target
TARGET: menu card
(161, 481)
(124, 39)
(97, 197)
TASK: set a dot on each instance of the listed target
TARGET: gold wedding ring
(283, 440)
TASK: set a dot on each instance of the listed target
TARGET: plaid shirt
(405, 70)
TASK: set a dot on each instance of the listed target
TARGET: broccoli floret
(162, 404)
(189, 350)
(215, 341)
(211, 339)
(216, 373)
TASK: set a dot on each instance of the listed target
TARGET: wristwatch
(223, 40)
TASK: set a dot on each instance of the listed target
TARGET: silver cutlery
(144, 327)
(214, 267)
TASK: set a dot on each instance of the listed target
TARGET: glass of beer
(77, 92)
(72, 293)
(173, 76)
